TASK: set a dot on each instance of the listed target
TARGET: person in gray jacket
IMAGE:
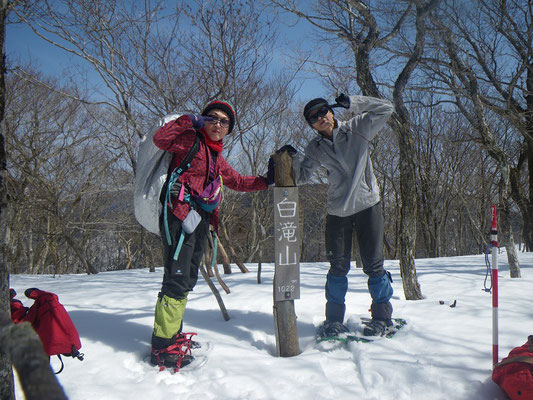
(353, 203)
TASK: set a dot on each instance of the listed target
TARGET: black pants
(181, 275)
(368, 225)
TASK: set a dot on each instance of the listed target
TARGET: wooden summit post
(287, 257)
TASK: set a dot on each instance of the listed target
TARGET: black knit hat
(222, 106)
(313, 105)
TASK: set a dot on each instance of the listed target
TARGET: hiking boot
(173, 353)
(376, 327)
(331, 329)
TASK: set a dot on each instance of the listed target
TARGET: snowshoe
(328, 343)
(194, 344)
(169, 360)
(376, 327)
(177, 355)
(330, 329)
(389, 331)
(330, 335)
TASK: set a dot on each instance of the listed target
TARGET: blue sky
(22, 45)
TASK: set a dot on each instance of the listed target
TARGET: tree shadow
(120, 330)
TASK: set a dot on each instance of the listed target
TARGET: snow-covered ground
(443, 352)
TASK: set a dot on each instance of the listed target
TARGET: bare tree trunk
(524, 198)
(22, 347)
(402, 127)
(7, 390)
(224, 255)
(213, 262)
(237, 259)
(260, 262)
(208, 256)
(215, 291)
(518, 192)
(512, 258)
(89, 268)
(508, 239)
(408, 212)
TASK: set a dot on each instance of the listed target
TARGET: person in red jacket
(195, 196)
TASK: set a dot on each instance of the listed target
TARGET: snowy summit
(443, 353)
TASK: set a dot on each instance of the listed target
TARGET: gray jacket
(352, 184)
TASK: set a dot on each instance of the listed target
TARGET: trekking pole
(494, 271)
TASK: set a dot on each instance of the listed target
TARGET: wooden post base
(287, 344)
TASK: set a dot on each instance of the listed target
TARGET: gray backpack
(150, 178)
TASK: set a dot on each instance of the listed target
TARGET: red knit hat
(222, 106)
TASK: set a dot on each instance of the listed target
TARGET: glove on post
(287, 148)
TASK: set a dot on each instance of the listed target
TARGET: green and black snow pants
(180, 276)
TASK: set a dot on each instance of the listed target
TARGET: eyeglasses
(215, 120)
(322, 111)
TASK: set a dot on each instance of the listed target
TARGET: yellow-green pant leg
(168, 316)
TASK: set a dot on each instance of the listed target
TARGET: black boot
(381, 319)
(335, 312)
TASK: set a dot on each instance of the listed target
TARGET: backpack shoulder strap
(184, 166)
(186, 162)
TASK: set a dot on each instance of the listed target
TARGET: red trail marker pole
(494, 271)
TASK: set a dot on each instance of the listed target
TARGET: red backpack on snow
(514, 374)
(51, 322)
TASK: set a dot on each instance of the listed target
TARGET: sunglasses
(322, 111)
(214, 120)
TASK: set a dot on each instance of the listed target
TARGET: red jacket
(178, 137)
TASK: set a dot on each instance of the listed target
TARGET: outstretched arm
(304, 169)
(241, 183)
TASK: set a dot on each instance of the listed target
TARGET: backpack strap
(62, 365)
(178, 247)
(74, 354)
(184, 166)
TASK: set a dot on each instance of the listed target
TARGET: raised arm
(371, 115)
(167, 137)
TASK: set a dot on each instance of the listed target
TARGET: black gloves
(342, 101)
(270, 172)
